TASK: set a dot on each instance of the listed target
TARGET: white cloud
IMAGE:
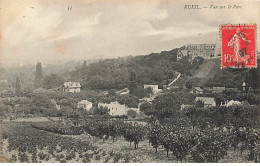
(158, 15)
(78, 28)
(190, 29)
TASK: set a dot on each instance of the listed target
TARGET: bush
(127, 158)
(117, 157)
(86, 160)
(23, 157)
(13, 158)
(97, 157)
(131, 113)
(34, 157)
(63, 161)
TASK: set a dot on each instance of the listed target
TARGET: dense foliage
(105, 128)
(155, 68)
(233, 78)
(43, 145)
(59, 127)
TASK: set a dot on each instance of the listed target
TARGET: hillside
(156, 68)
(209, 74)
(207, 70)
(230, 78)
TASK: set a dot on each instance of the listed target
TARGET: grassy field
(207, 70)
(51, 147)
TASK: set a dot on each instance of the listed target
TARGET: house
(73, 87)
(183, 106)
(230, 103)
(56, 105)
(115, 108)
(197, 90)
(85, 104)
(217, 89)
(154, 88)
(208, 101)
(191, 51)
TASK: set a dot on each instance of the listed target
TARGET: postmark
(238, 46)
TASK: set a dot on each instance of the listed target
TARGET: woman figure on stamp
(236, 43)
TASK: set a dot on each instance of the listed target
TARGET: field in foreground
(22, 143)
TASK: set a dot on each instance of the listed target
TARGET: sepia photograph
(129, 81)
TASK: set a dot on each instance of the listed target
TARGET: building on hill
(73, 87)
(154, 88)
(197, 90)
(208, 101)
(85, 104)
(207, 51)
(117, 109)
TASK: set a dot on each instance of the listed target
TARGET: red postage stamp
(238, 46)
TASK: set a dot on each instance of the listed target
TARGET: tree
(188, 84)
(111, 92)
(197, 61)
(41, 104)
(213, 145)
(199, 104)
(154, 136)
(167, 105)
(53, 81)
(84, 64)
(146, 108)
(38, 82)
(131, 113)
(133, 83)
(18, 90)
(101, 111)
(23, 157)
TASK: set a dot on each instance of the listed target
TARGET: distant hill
(155, 68)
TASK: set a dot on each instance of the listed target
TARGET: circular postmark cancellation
(238, 46)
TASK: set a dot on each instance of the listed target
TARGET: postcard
(129, 81)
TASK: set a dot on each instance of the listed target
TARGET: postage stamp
(238, 46)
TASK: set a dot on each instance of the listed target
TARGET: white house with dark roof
(208, 101)
(73, 87)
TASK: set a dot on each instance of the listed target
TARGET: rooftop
(72, 85)
(206, 100)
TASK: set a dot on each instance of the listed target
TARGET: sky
(46, 31)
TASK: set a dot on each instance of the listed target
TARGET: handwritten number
(69, 7)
